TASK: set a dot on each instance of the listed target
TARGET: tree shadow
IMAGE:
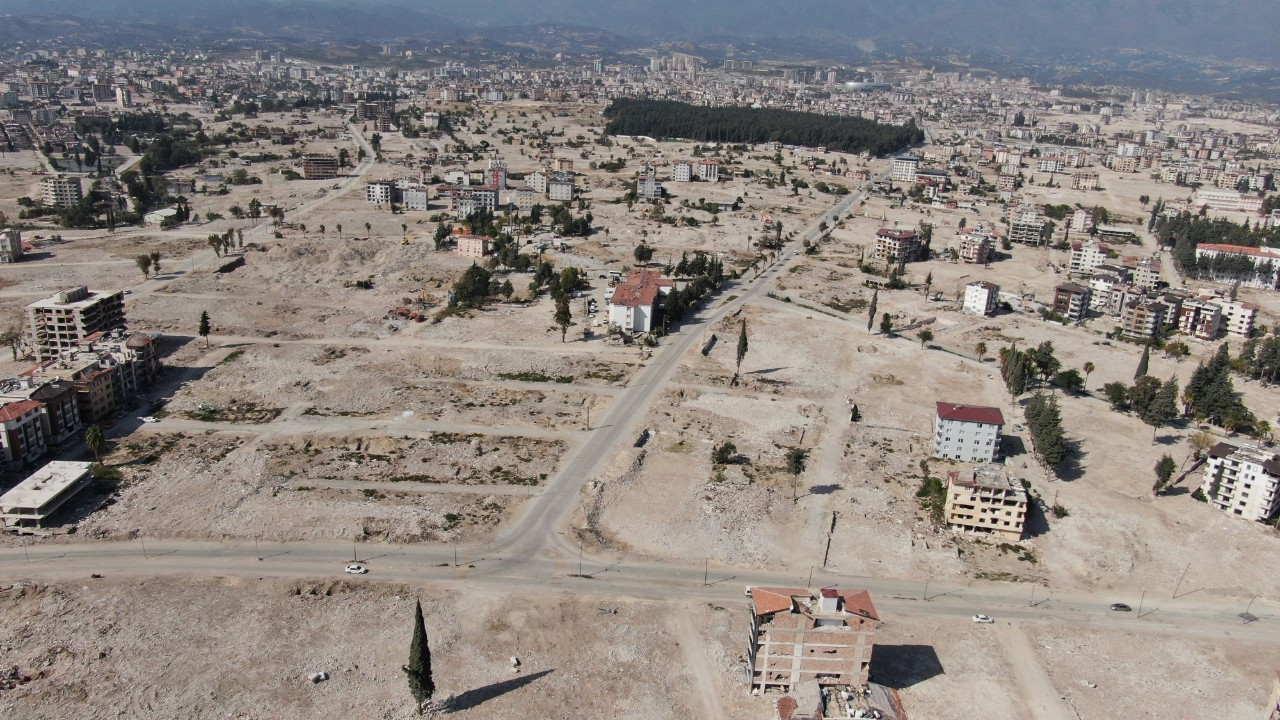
(823, 489)
(1012, 446)
(1070, 468)
(901, 666)
(473, 698)
(766, 371)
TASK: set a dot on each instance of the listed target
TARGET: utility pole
(579, 558)
(1140, 601)
(706, 570)
(144, 546)
(256, 552)
(926, 587)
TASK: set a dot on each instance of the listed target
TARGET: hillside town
(962, 403)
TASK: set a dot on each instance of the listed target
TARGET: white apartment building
(60, 323)
(560, 187)
(904, 169)
(10, 245)
(682, 171)
(1243, 481)
(60, 191)
(1081, 221)
(977, 248)
(981, 298)
(709, 170)
(379, 192)
(1085, 256)
(538, 181)
(1263, 265)
(1227, 201)
(969, 433)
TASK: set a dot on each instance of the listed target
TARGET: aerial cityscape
(717, 360)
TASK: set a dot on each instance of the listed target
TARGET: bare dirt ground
(246, 649)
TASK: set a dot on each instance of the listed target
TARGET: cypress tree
(871, 316)
(421, 683)
(1143, 363)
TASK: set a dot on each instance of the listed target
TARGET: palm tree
(981, 349)
(94, 441)
(339, 226)
(404, 231)
(1088, 368)
(367, 228)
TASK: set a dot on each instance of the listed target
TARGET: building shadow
(473, 698)
(1037, 519)
(901, 666)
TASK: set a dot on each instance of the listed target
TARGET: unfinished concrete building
(59, 324)
(797, 635)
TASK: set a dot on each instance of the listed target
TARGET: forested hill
(669, 119)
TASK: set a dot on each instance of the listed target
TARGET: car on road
(149, 419)
(748, 592)
(983, 619)
(356, 569)
(1121, 607)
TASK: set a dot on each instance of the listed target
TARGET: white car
(149, 419)
(354, 569)
(983, 619)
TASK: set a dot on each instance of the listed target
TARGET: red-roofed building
(1256, 267)
(970, 433)
(21, 433)
(897, 246)
(797, 635)
(636, 301)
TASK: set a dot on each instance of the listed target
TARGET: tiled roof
(1237, 249)
(859, 603)
(14, 410)
(970, 413)
(771, 600)
(640, 288)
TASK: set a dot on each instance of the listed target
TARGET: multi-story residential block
(897, 246)
(1007, 182)
(62, 322)
(1144, 271)
(903, 169)
(1081, 221)
(467, 199)
(707, 170)
(60, 191)
(380, 192)
(989, 502)
(472, 246)
(1071, 301)
(682, 171)
(977, 248)
(969, 433)
(538, 181)
(648, 187)
(22, 437)
(524, 198)
(1243, 480)
(1085, 256)
(1026, 226)
(1200, 317)
(417, 197)
(1256, 267)
(1143, 318)
(981, 298)
(1238, 317)
(798, 635)
(10, 245)
(1084, 181)
(319, 167)
(560, 187)
(60, 408)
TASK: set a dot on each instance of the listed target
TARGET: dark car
(1120, 607)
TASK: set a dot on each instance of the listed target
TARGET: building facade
(1071, 301)
(319, 167)
(60, 191)
(798, 635)
(1243, 481)
(60, 323)
(981, 298)
(969, 433)
(989, 502)
(896, 246)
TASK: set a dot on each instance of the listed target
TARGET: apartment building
(1238, 317)
(1084, 181)
(1243, 480)
(107, 371)
(977, 248)
(22, 437)
(1255, 267)
(969, 433)
(60, 191)
(380, 192)
(988, 502)
(1085, 256)
(1227, 201)
(682, 171)
(538, 181)
(560, 187)
(1026, 226)
(1200, 318)
(707, 170)
(60, 323)
(319, 167)
(1081, 221)
(1071, 301)
(648, 187)
(10, 245)
(896, 246)
(59, 401)
(1143, 318)
(903, 169)
(798, 635)
(981, 298)
(634, 304)
(417, 197)
(472, 246)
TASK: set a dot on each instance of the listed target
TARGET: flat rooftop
(44, 486)
(989, 477)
